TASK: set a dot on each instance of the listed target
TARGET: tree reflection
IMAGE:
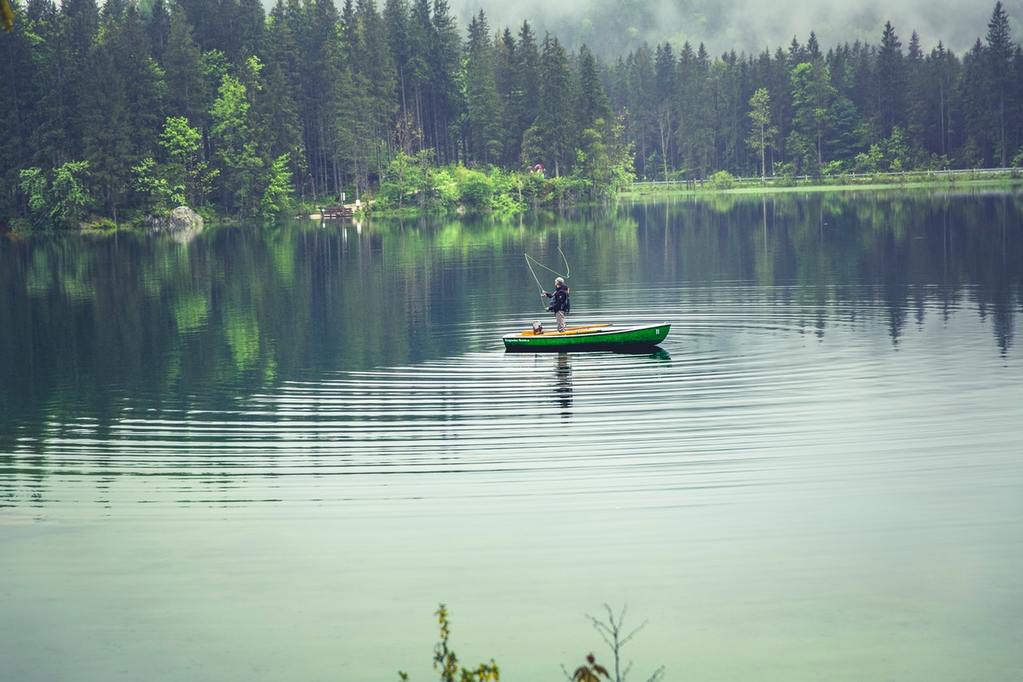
(89, 325)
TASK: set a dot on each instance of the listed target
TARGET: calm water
(268, 454)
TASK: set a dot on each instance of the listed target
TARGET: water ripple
(738, 398)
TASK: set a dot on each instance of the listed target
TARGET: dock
(344, 212)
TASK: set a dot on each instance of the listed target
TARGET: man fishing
(559, 304)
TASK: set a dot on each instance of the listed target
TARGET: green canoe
(590, 337)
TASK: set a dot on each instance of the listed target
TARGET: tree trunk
(1001, 119)
(763, 154)
(941, 118)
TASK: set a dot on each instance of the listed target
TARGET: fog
(614, 26)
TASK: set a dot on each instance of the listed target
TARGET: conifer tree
(641, 105)
(505, 82)
(187, 94)
(812, 97)
(445, 101)
(483, 133)
(591, 101)
(550, 137)
(891, 81)
(999, 76)
(665, 83)
(158, 28)
(525, 94)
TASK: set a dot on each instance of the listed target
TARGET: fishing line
(568, 268)
(530, 262)
(530, 259)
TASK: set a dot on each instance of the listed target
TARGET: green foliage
(236, 144)
(185, 167)
(444, 188)
(476, 187)
(812, 98)
(551, 135)
(410, 180)
(722, 180)
(277, 196)
(342, 93)
(833, 168)
(182, 179)
(155, 191)
(405, 180)
(35, 186)
(604, 160)
(180, 141)
(445, 660)
(69, 198)
(762, 133)
(482, 104)
(61, 201)
(889, 155)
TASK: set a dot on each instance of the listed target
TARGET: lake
(268, 453)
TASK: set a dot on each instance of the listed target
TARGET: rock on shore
(182, 222)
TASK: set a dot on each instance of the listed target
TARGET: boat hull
(597, 337)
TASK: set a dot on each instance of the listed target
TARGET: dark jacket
(559, 300)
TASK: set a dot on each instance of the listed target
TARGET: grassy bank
(718, 184)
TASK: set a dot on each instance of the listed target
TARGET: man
(559, 304)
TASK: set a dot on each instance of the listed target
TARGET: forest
(130, 108)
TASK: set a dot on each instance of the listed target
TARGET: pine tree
(696, 130)
(483, 134)
(79, 24)
(396, 19)
(641, 104)
(362, 104)
(505, 81)
(591, 101)
(445, 101)
(128, 40)
(941, 74)
(999, 69)
(525, 95)
(550, 137)
(249, 23)
(812, 98)
(916, 97)
(19, 77)
(420, 68)
(891, 81)
(158, 28)
(187, 94)
(975, 140)
(107, 141)
(665, 85)
(279, 110)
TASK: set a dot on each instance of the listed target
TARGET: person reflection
(563, 385)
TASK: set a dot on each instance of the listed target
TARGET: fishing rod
(530, 262)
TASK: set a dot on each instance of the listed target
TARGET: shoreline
(951, 183)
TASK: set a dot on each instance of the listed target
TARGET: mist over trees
(136, 107)
(615, 27)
